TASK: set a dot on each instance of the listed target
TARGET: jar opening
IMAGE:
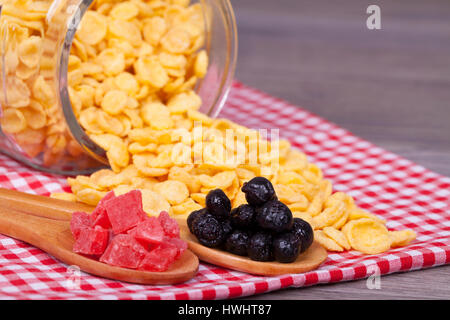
(76, 130)
(213, 98)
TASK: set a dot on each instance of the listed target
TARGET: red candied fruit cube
(169, 225)
(124, 251)
(177, 243)
(159, 259)
(148, 231)
(79, 221)
(91, 241)
(99, 216)
(125, 211)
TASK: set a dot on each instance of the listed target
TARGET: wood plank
(388, 86)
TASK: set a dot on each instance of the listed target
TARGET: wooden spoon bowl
(53, 209)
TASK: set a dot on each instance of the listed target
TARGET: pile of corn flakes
(131, 76)
(31, 113)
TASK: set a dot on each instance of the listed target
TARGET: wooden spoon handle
(38, 231)
(40, 206)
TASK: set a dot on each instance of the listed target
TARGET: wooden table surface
(388, 86)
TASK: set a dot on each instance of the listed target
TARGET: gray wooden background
(388, 86)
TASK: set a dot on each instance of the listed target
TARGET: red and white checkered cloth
(405, 194)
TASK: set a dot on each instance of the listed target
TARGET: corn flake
(201, 64)
(17, 93)
(329, 216)
(124, 11)
(337, 236)
(154, 29)
(90, 196)
(13, 120)
(304, 216)
(186, 207)
(367, 236)
(112, 61)
(221, 180)
(157, 116)
(150, 71)
(125, 30)
(175, 61)
(29, 51)
(114, 102)
(176, 40)
(137, 147)
(122, 189)
(183, 175)
(64, 196)
(358, 213)
(153, 203)
(300, 205)
(141, 163)
(327, 242)
(127, 83)
(93, 28)
(143, 183)
(35, 115)
(175, 192)
(288, 195)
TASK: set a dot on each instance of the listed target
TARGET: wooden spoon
(27, 223)
(62, 210)
(307, 261)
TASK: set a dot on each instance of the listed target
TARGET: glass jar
(40, 124)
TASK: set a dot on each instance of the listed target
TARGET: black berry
(258, 191)
(237, 242)
(274, 216)
(243, 216)
(218, 204)
(193, 216)
(227, 227)
(304, 232)
(260, 247)
(208, 230)
(286, 247)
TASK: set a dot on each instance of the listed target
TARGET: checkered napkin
(405, 194)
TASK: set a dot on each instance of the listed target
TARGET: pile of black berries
(264, 229)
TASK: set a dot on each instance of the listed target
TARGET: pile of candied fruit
(263, 229)
(119, 233)
(132, 73)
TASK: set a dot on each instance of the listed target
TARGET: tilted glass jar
(39, 124)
